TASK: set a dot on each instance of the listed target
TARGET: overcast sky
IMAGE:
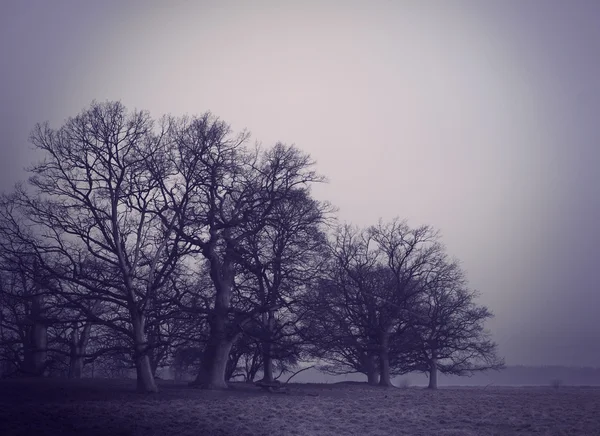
(481, 118)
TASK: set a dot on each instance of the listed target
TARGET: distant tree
(186, 360)
(79, 339)
(250, 362)
(70, 345)
(27, 309)
(23, 323)
(245, 359)
(447, 327)
(169, 328)
(243, 352)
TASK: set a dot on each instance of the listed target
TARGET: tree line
(141, 243)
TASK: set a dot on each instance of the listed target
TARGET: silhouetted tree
(409, 254)
(340, 331)
(365, 301)
(214, 186)
(278, 262)
(23, 327)
(448, 327)
(27, 308)
(91, 207)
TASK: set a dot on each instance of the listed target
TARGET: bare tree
(408, 253)
(448, 327)
(23, 321)
(80, 336)
(339, 333)
(214, 187)
(91, 209)
(365, 301)
(37, 329)
(280, 261)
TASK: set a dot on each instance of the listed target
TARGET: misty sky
(481, 118)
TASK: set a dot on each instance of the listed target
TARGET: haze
(478, 118)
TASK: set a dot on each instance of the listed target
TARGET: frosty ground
(111, 407)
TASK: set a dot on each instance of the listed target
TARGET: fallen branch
(298, 372)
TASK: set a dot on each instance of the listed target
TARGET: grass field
(111, 407)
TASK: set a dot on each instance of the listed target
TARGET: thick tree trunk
(372, 374)
(373, 378)
(75, 366)
(267, 367)
(144, 375)
(221, 339)
(214, 363)
(384, 361)
(433, 373)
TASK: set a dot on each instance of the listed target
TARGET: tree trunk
(254, 367)
(268, 322)
(267, 367)
(373, 378)
(36, 348)
(144, 375)
(384, 369)
(40, 344)
(75, 366)
(433, 373)
(384, 361)
(75, 359)
(214, 363)
(153, 364)
(372, 374)
(216, 354)
(77, 350)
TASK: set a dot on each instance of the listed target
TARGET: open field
(110, 407)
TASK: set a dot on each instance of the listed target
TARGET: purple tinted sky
(481, 118)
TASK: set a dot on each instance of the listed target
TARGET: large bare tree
(216, 185)
(281, 260)
(90, 207)
(365, 302)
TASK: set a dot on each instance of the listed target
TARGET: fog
(478, 118)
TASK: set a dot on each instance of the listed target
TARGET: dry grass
(107, 407)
